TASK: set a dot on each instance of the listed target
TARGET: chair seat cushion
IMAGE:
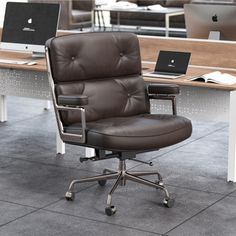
(136, 133)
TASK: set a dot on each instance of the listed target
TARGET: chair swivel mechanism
(102, 102)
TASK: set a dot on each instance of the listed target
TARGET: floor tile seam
(219, 129)
(45, 164)
(187, 143)
(159, 156)
(63, 198)
(19, 204)
(231, 196)
(198, 138)
(48, 164)
(234, 196)
(203, 136)
(100, 221)
(201, 211)
(47, 205)
(167, 152)
(33, 211)
(196, 190)
(208, 134)
(36, 208)
(6, 166)
(20, 217)
(38, 162)
(26, 119)
(213, 155)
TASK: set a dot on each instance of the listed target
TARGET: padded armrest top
(72, 100)
(163, 89)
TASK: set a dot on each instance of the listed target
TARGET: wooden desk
(191, 72)
(198, 100)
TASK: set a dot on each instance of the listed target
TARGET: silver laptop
(170, 65)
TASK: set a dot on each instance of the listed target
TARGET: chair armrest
(72, 100)
(165, 89)
(72, 103)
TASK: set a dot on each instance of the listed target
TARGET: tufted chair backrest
(106, 67)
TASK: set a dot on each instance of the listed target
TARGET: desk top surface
(191, 72)
(18, 56)
(183, 81)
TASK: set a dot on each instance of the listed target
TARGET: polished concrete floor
(33, 181)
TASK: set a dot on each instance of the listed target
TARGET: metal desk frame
(169, 12)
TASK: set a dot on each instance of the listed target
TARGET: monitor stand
(38, 55)
(214, 35)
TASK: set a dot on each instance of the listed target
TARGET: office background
(34, 179)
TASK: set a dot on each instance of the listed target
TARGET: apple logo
(171, 64)
(214, 18)
(30, 20)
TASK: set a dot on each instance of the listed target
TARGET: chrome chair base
(121, 176)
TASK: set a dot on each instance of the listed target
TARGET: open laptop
(170, 65)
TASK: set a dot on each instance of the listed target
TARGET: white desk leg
(167, 22)
(89, 152)
(47, 105)
(60, 144)
(3, 108)
(118, 20)
(232, 138)
(93, 20)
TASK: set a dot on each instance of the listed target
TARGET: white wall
(2, 8)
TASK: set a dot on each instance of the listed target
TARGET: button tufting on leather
(72, 58)
(121, 54)
(129, 95)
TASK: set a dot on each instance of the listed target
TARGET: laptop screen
(172, 62)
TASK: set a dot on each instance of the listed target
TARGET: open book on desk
(124, 5)
(156, 7)
(216, 77)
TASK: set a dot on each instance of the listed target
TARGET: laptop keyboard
(165, 73)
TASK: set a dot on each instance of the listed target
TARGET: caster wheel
(159, 182)
(70, 196)
(102, 182)
(111, 210)
(169, 203)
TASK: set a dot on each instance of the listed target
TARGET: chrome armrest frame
(172, 98)
(70, 137)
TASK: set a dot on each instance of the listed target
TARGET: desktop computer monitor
(27, 26)
(210, 21)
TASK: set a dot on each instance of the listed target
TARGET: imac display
(210, 21)
(27, 26)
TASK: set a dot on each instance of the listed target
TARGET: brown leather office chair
(102, 102)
